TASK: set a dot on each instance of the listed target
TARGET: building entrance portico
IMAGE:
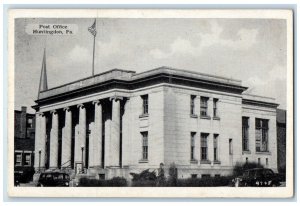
(82, 138)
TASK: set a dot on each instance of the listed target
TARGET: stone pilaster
(197, 147)
(210, 138)
(40, 142)
(66, 139)
(210, 107)
(54, 140)
(210, 149)
(115, 133)
(97, 137)
(80, 140)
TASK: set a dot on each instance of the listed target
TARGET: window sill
(216, 118)
(205, 117)
(263, 153)
(246, 152)
(217, 162)
(194, 161)
(194, 116)
(143, 161)
(144, 115)
(205, 162)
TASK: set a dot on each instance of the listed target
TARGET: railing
(69, 161)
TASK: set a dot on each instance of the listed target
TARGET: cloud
(158, 54)
(244, 40)
(271, 85)
(79, 54)
(112, 47)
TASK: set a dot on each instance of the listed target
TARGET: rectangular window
(204, 146)
(261, 134)
(245, 133)
(216, 147)
(145, 104)
(203, 106)
(193, 145)
(230, 147)
(18, 159)
(145, 146)
(27, 161)
(205, 176)
(215, 107)
(193, 97)
(101, 176)
(29, 123)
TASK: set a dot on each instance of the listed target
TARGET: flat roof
(128, 76)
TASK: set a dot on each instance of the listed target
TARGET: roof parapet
(126, 75)
(258, 98)
(191, 74)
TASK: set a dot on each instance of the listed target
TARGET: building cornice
(259, 103)
(135, 83)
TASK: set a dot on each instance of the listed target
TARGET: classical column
(54, 140)
(115, 133)
(40, 142)
(37, 142)
(66, 139)
(80, 147)
(97, 136)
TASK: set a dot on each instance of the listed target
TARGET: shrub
(173, 178)
(239, 168)
(144, 183)
(114, 182)
(144, 179)
(205, 182)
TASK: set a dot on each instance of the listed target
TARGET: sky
(251, 50)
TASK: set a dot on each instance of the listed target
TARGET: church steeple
(43, 78)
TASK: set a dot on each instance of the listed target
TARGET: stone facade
(120, 121)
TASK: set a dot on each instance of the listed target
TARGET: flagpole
(93, 55)
(93, 31)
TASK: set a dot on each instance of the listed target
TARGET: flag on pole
(92, 29)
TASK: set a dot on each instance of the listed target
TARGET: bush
(205, 182)
(114, 182)
(173, 178)
(144, 179)
(144, 183)
(239, 168)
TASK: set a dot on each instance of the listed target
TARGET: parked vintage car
(54, 179)
(257, 177)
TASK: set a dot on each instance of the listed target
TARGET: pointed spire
(43, 78)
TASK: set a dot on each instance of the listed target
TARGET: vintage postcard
(150, 103)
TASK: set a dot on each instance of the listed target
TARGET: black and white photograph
(149, 102)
